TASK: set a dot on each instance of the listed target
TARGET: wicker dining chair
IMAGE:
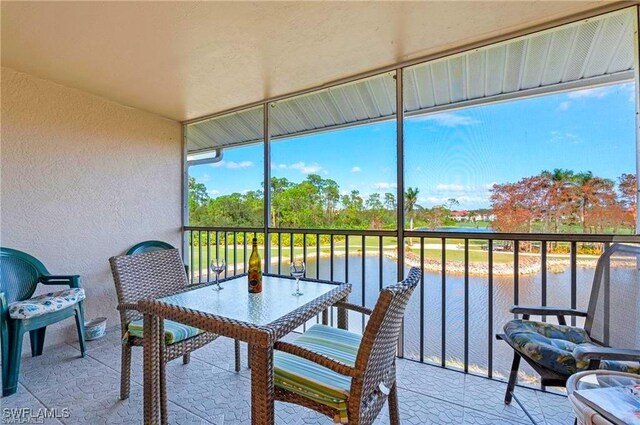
(154, 275)
(341, 374)
(150, 246)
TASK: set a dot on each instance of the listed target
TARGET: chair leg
(80, 326)
(125, 372)
(186, 358)
(394, 411)
(37, 341)
(164, 413)
(236, 345)
(5, 353)
(10, 385)
(164, 405)
(513, 378)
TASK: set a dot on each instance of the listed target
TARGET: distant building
(472, 216)
(460, 215)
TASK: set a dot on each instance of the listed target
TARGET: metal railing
(469, 281)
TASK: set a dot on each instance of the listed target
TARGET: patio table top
(236, 303)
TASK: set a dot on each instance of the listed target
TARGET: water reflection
(480, 333)
(530, 292)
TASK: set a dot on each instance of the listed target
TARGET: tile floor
(208, 391)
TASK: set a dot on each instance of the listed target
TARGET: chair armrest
(320, 359)
(72, 280)
(4, 308)
(546, 311)
(353, 307)
(123, 307)
(606, 353)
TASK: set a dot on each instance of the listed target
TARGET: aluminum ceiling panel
(595, 50)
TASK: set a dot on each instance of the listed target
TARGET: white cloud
(306, 169)
(205, 177)
(213, 192)
(596, 92)
(630, 89)
(564, 137)
(463, 200)
(469, 196)
(303, 167)
(434, 200)
(451, 188)
(563, 106)
(466, 199)
(232, 164)
(450, 119)
(384, 186)
(356, 169)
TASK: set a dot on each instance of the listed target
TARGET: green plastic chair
(20, 273)
(150, 246)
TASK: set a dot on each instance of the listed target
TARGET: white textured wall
(83, 179)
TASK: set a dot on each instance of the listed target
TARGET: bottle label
(254, 278)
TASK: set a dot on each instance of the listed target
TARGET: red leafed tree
(565, 197)
(628, 187)
(517, 205)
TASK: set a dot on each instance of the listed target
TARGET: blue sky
(457, 154)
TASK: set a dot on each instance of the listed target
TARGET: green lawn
(476, 254)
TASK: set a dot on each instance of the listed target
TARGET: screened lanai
(585, 54)
(363, 139)
(587, 59)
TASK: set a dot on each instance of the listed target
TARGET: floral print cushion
(552, 346)
(46, 303)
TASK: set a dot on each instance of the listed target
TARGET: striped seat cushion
(173, 331)
(316, 382)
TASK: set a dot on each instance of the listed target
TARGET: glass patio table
(258, 319)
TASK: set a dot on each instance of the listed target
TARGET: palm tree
(592, 191)
(559, 181)
(410, 199)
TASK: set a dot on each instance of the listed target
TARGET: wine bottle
(255, 270)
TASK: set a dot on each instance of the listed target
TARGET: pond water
(458, 229)
(480, 335)
(481, 330)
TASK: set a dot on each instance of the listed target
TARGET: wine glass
(297, 270)
(217, 267)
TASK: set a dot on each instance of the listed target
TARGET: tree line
(315, 202)
(562, 201)
(553, 201)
